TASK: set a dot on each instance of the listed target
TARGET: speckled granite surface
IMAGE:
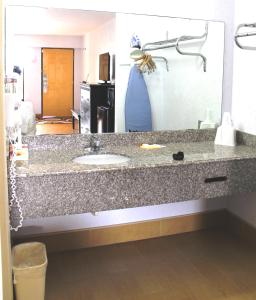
(62, 194)
(246, 139)
(81, 141)
(46, 162)
(50, 184)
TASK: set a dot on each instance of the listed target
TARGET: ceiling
(53, 21)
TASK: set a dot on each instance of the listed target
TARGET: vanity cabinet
(97, 108)
(51, 184)
(99, 190)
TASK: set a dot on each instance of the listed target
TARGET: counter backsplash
(46, 142)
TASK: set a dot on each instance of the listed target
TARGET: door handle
(45, 83)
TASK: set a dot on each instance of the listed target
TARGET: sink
(101, 159)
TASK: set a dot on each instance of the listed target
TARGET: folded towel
(151, 146)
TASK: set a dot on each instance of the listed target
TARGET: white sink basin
(101, 159)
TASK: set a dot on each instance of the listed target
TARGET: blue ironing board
(137, 103)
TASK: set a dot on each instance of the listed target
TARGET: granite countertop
(50, 184)
(45, 162)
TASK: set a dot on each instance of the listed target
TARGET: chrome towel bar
(245, 34)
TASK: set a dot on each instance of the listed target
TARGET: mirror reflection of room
(59, 57)
(80, 71)
(183, 89)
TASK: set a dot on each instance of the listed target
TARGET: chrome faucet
(94, 147)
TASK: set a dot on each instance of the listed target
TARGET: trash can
(29, 270)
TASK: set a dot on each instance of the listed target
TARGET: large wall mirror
(86, 66)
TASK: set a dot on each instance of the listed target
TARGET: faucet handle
(97, 143)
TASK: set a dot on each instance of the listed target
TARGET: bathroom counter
(46, 162)
(50, 184)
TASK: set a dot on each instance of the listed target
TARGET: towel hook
(190, 53)
(182, 38)
(164, 59)
(240, 35)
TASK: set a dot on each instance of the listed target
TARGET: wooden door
(57, 82)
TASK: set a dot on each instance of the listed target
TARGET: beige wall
(5, 277)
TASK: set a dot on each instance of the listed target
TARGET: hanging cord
(14, 202)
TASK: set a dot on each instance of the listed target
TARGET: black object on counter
(178, 156)
(216, 179)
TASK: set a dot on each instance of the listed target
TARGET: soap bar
(151, 146)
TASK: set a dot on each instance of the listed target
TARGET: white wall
(244, 104)
(27, 53)
(201, 9)
(244, 92)
(100, 40)
(179, 97)
(244, 206)
(122, 216)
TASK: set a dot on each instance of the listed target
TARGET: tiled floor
(193, 266)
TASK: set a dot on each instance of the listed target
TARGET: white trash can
(29, 270)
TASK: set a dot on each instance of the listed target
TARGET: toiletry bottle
(226, 133)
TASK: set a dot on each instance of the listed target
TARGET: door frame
(5, 239)
(42, 63)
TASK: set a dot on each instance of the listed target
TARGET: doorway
(57, 82)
